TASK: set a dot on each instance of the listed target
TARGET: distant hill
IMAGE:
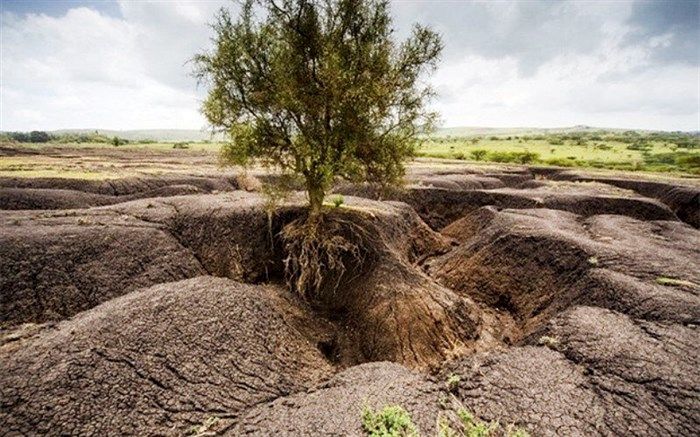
(501, 131)
(171, 135)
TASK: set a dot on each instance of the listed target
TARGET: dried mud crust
(161, 360)
(395, 312)
(335, 407)
(63, 193)
(47, 199)
(564, 323)
(682, 199)
(122, 187)
(439, 206)
(58, 264)
(52, 267)
(536, 263)
(55, 264)
(604, 373)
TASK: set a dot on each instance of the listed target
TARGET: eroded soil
(567, 303)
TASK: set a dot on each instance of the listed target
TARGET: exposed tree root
(321, 250)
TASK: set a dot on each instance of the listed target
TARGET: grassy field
(658, 152)
(674, 153)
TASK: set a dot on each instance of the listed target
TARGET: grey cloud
(533, 32)
(680, 18)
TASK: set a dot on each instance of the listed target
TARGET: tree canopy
(319, 88)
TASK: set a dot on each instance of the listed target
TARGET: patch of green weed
(390, 421)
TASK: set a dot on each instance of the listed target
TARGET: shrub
(478, 154)
(390, 421)
(561, 162)
(474, 427)
(394, 421)
(181, 145)
(639, 146)
(516, 157)
(39, 137)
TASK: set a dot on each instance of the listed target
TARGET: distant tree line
(27, 137)
(637, 140)
(68, 137)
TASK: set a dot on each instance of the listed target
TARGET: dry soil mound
(439, 206)
(682, 199)
(161, 360)
(52, 267)
(603, 373)
(335, 407)
(122, 187)
(535, 263)
(47, 198)
(569, 308)
(57, 264)
(379, 301)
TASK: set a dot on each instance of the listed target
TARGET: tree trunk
(316, 194)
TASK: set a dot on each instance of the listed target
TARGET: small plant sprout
(205, 429)
(337, 201)
(453, 383)
(474, 427)
(673, 282)
(550, 342)
(390, 421)
(513, 431)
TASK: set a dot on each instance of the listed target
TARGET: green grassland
(634, 151)
(673, 153)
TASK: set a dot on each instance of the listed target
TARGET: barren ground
(144, 295)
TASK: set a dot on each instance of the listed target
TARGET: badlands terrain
(145, 294)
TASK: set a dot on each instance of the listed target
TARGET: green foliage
(116, 141)
(181, 145)
(390, 421)
(453, 383)
(629, 151)
(639, 146)
(80, 138)
(478, 154)
(319, 88)
(338, 201)
(516, 157)
(474, 427)
(39, 137)
(466, 425)
(28, 137)
(394, 421)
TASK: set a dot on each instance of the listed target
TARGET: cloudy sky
(122, 64)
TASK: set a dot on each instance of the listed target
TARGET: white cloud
(507, 64)
(86, 69)
(612, 86)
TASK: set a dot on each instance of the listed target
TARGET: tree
(39, 137)
(318, 88)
